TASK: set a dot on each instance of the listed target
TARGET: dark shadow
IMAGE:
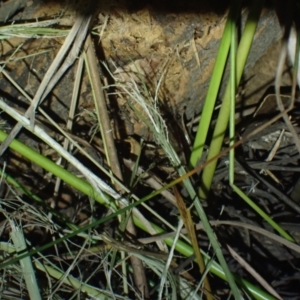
(10, 8)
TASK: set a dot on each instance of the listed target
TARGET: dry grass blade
(26, 264)
(259, 230)
(279, 72)
(146, 108)
(151, 180)
(169, 260)
(73, 282)
(274, 189)
(101, 109)
(111, 155)
(271, 156)
(123, 201)
(247, 266)
(70, 267)
(51, 77)
(73, 105)
(189, 225)
(31, 30)
(96, 182)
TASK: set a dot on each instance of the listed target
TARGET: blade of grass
(232, 87)
(104, 123)
(55, 72)
(218, 139)
(146, 108)
(181, 247)
(103, 169)
(30, 30)
(136, 150)
(143, 104)
(187, 251)
(222, 122)
(253, 272)
(26, 264)
(279, 72)
(88, 189)
(58, 171)
(189, 225)
(213, 88)
(168, 262)
(254, 228)
(69, 125)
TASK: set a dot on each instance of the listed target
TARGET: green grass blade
(50, 166)
(222, 122)
(233, 87)
(213, 88)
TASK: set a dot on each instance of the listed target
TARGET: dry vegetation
(100, 195)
